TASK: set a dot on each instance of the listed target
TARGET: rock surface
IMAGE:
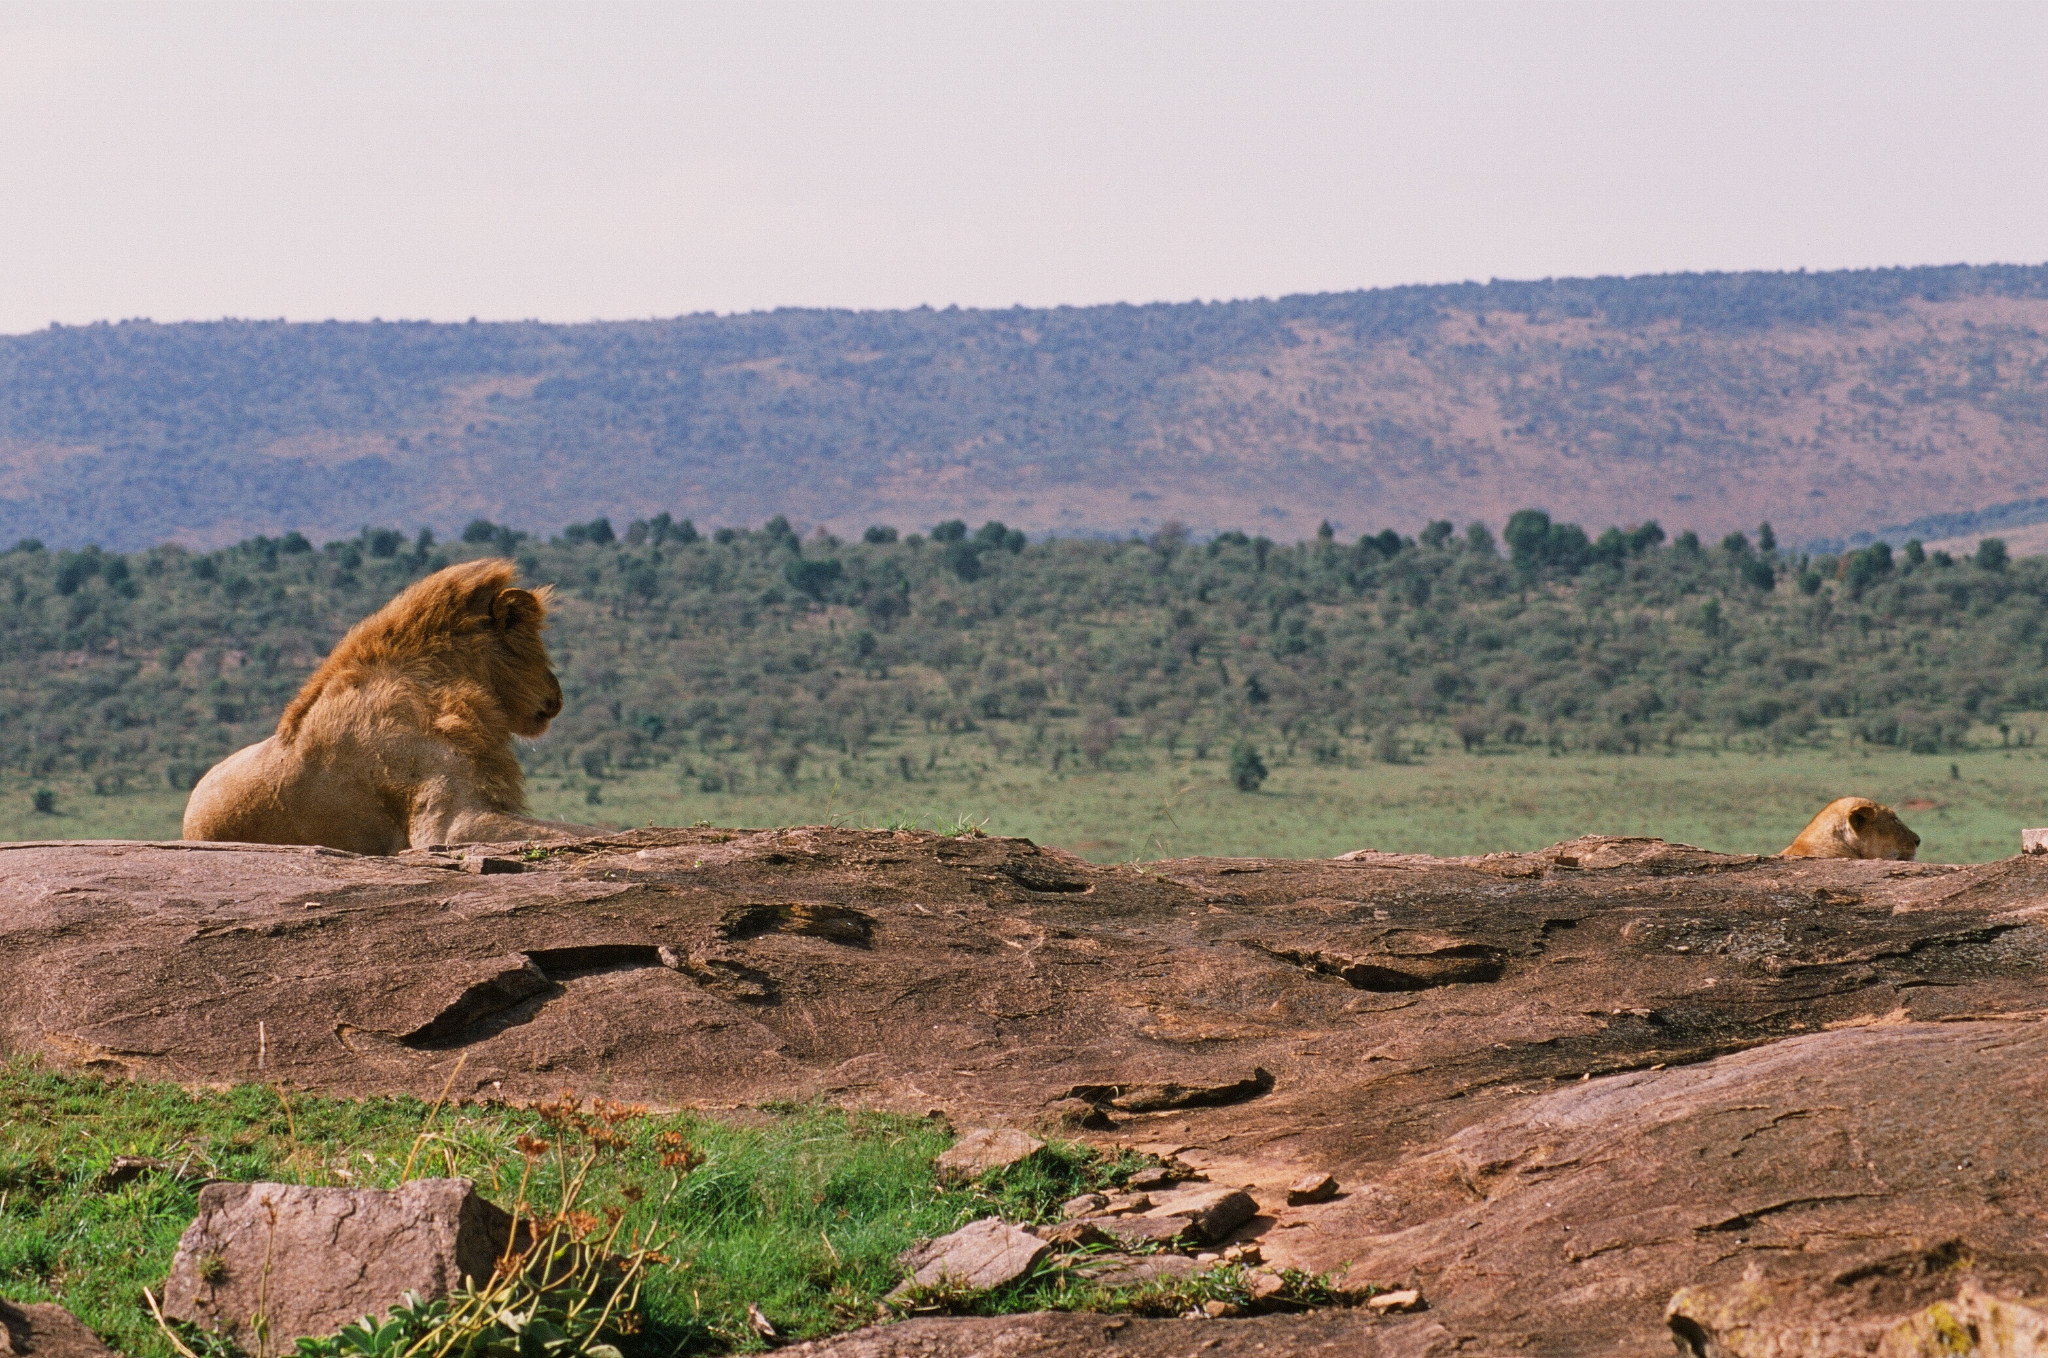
(1993, 1327)
(1558, 1087)
(42, 1330)
(982, 1255)
(1055, 1334)
(1311, 1188)
(1211, 1213)
(984, 1149)
(314, 1259)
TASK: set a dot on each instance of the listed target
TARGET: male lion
(1854, 827)
(403, 736)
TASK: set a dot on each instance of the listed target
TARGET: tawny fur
(1854, 827)
(403, 737)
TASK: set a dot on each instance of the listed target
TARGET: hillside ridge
(1832, 403)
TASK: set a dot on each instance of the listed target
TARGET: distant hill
(1831, 404)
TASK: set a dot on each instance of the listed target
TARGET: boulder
(1074, 1115)
(314, 1259)
(1810, 1315)
(45, 1330)
(982, 1254)
(984, 1149)
(1992, 1327)
(1171, 1094)
(1311, 1188)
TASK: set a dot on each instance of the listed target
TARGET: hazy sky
(572, 161)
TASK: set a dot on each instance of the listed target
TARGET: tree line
(747, 656)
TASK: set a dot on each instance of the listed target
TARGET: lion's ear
(1861, 817)
(513, 608)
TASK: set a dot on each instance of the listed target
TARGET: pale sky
(589, 160)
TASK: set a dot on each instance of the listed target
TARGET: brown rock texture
(984, 1149)
(311, 1260)
(982, 1254)
(1992, 1327)
(1557, 1088)
(42, 1330)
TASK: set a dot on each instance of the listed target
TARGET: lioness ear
(513, 607)
(1861, 818)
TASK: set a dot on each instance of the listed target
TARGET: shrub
(1247, 770)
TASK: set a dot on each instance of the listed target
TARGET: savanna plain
(1968, 805)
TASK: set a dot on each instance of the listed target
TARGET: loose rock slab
(981, 1255)
(315, 1259)
(1211, 1213)
(984, 1149)
(43, 1330)
(1311, 1188)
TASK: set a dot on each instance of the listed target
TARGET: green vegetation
(800, 1212)
(1129, 698)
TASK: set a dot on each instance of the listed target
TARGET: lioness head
(1855, 827)
(1876, 831)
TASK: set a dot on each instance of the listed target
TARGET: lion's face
(1876, 831)
(523, 679)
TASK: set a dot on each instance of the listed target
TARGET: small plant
(1033, 1189)
(569, 1276)
(45, 802)
(212, 1269)
(1247, 770)
(534, 853)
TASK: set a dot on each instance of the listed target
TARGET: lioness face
(1877, 832)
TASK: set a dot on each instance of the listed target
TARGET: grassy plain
(1968, 806)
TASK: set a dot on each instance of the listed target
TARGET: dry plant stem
(262, 1319)
(405, 1174)
(170, 1334)
(292, 1128)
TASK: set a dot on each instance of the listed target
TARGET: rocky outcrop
(1557, 1089)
